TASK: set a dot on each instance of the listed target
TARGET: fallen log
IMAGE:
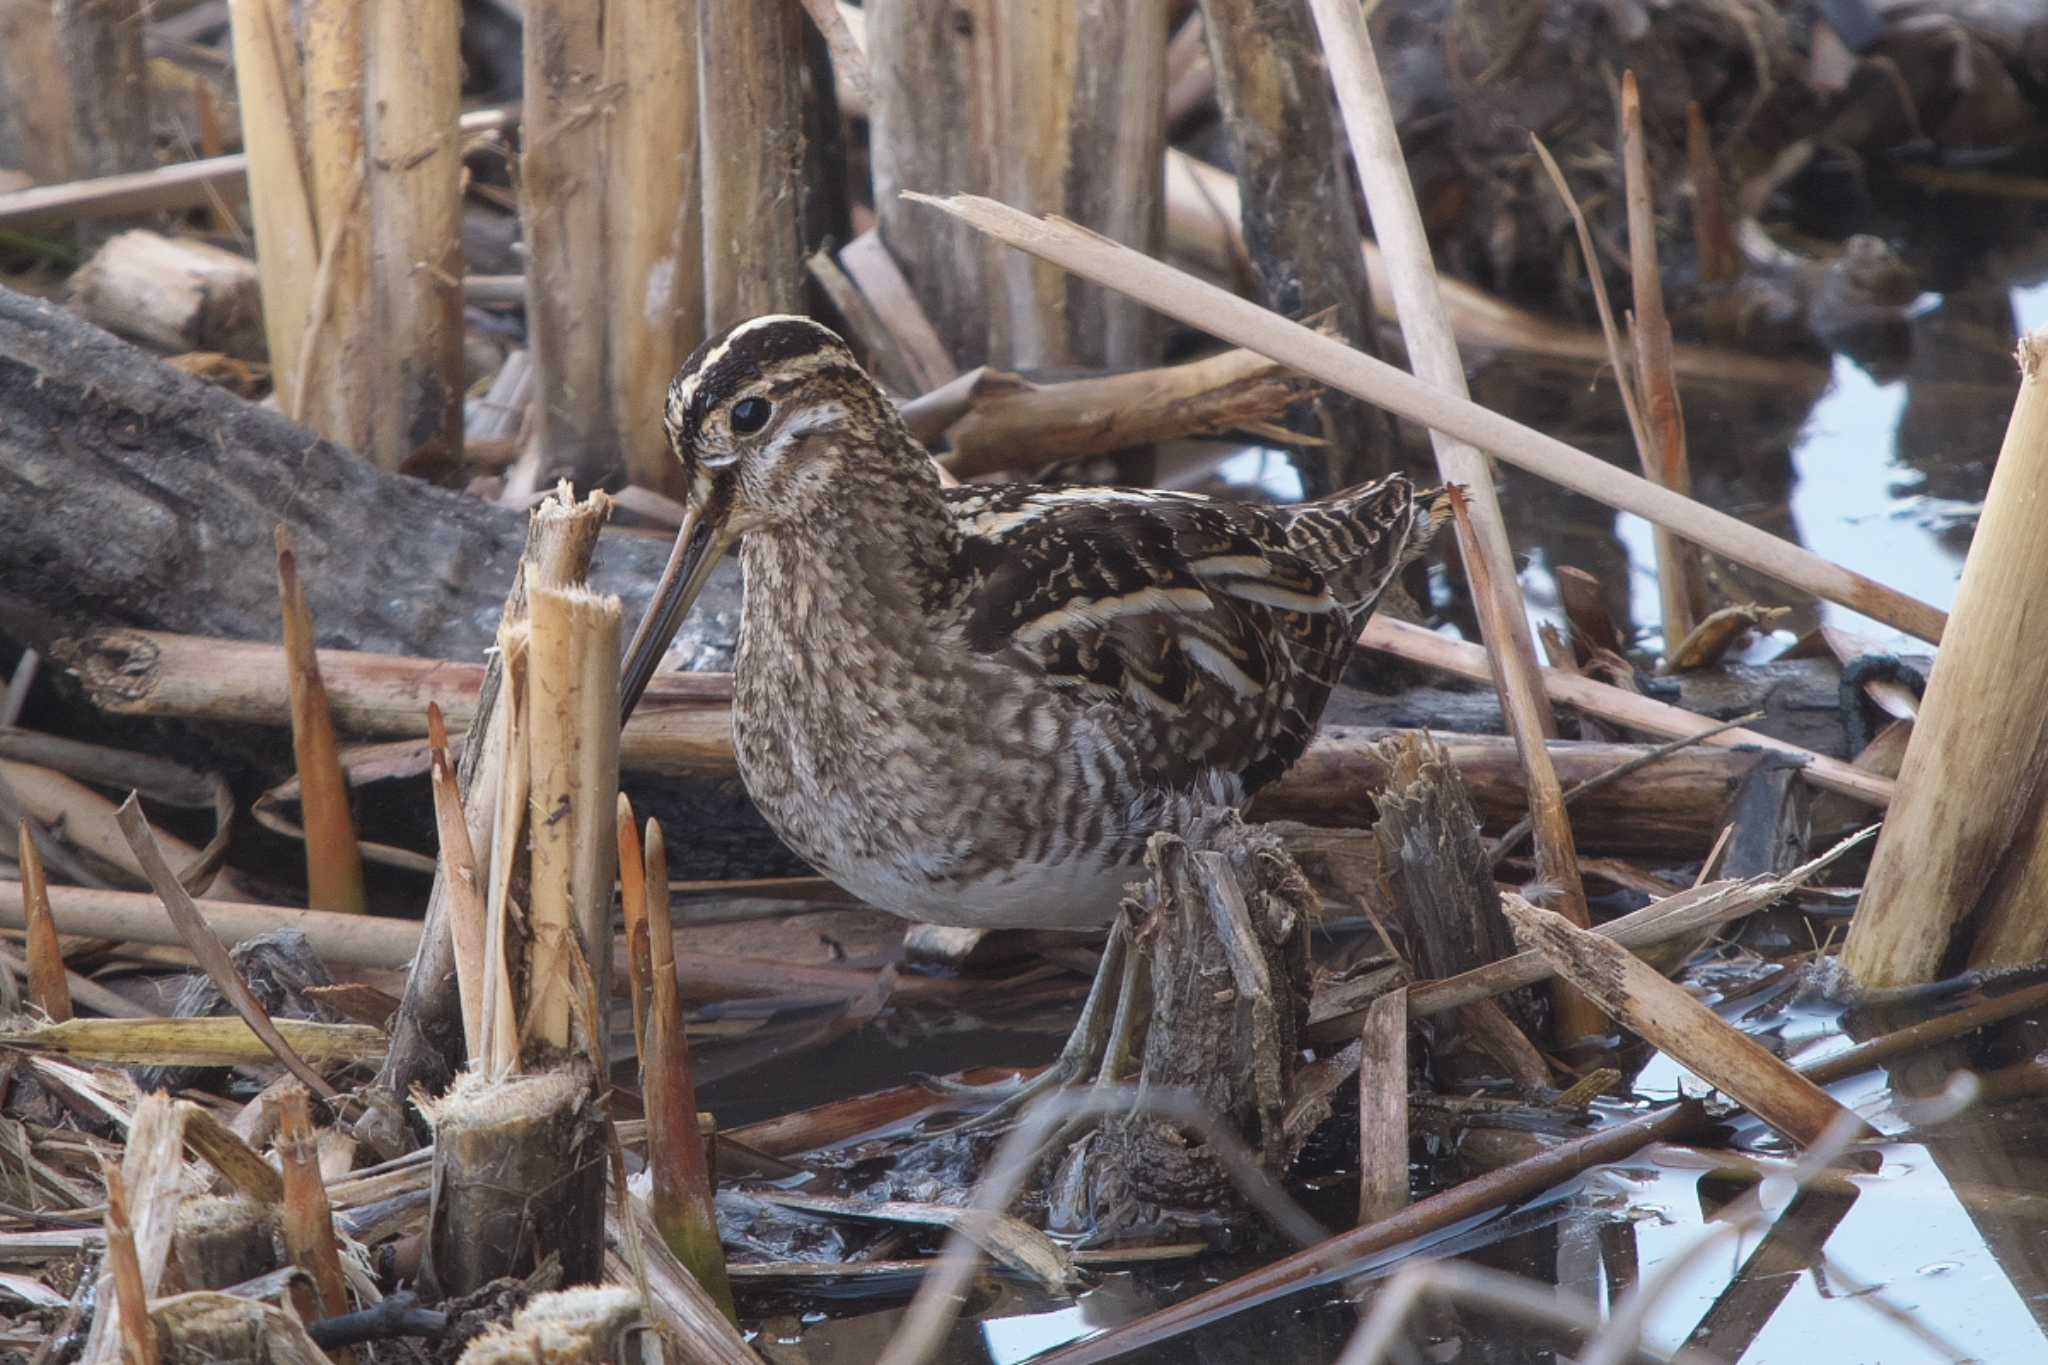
(683, 729)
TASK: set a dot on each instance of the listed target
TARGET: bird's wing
(1195, 617)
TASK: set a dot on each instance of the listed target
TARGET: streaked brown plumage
(974, 705)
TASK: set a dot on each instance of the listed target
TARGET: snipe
(972, 706)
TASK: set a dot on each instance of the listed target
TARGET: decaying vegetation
(312, 1047)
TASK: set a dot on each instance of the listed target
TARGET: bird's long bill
(701, 542)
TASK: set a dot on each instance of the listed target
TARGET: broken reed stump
(1965, 842)
(512, 1159)
(1227, 918)
(1437, 875)
(223, 1240)
(203, 1326)
(568, 1327)
(173, 293)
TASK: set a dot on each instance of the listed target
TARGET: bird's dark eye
(749, 415)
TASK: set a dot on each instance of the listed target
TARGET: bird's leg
(1122, 1048)
(1083, 1052)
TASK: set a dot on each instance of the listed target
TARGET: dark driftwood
(1297, 201)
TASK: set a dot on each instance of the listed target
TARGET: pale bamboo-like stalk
(334, 863)
(682, 1203)
(414, 231)
(138, 1333)
(501, 1013)
(287, 248)
(1242, 322)
(568, 280)
(1630, 709)
(340, 392)
(136, 916)
(49, 989)
(466, 913)
(572, 737)
(1678, 587)
(306, 1219)
(1666, 1015)
(1965, 838)
(750, 121)
(1557, 857)
(656, 222)
(1383, 1108)
(1432, 347)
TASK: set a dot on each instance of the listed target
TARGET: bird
(974, 705)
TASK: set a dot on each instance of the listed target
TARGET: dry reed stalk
(199, 937)
(49, 990)
(1383, 1108)
(52, 800)
(38, 93)
(413, 233)
(155, 1180)
(337, 396)
(222, 1148)
(1714, 243)
(573, 730)
(568, 280)
(682, 1204)
(305, 1218)
(1631, 709)
(873, 270)
(205, 1040)
(1965, 839)
(1244, 323)
(1008, 421)
(287, 248)
(751, 132)
(1667, 1016)
(134, 916)
(1557, 859)
(683, 1194)
(501, 1029)
(1678, 587)
(334, 864)
(633, 918)
(1433, 354)
(138, 1333)
(656, 221)
(465, 888)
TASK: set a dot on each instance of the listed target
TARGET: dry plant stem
(1678, 587)
(1965, 838)
(334, 864)
(1714, 241)
(287, 251)
(356, 940)
(1625, 708)
(223, 1149)
(1666, 1015)
(336, 397)
(198, 937)
(750, 119)
(501, 1027)
(1433, 353)
(1330, 1259)
(1557, 858)
(568, 281)
(868, 262)
(308, 1222)
(465, 887)
(1241, 322)
(1383, 1108)
(414, 231)
(1870, 1053)
(138, 1333)
(1018, 422)
(656, 220)
(572, 710)
(682, 1204)
(633, 917)
(49, 990)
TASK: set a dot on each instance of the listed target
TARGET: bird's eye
(749, 415)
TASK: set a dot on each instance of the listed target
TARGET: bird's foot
(1096, 1048)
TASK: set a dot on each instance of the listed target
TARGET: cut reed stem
(49, 989)
(334, 863)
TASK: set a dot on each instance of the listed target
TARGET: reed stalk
(49, 989)
(272, 86)
(466, 912)
(1383, 1108)
(305, 1218)
(339, 392)
(751, 121)
(138, 1333)
(334, 863)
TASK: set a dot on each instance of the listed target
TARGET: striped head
(770, 420)
(766, 414)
